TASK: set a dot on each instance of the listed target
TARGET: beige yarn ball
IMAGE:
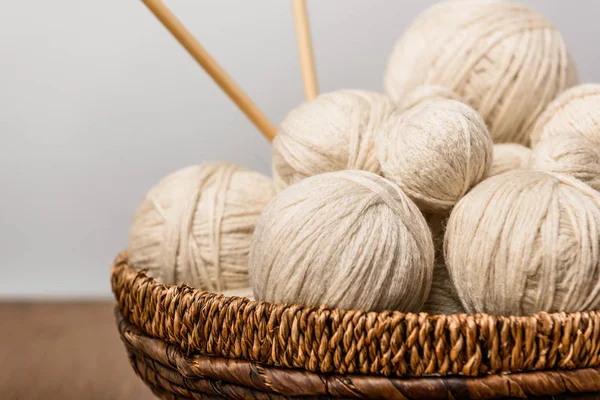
(426, 92)
(576, 111)
(331, 133)
(437, 227)
(569, 154)
(509, 156)
(442, 298)
(196, 226)
(346, 239)
(502, 58)
(436, 151)
(526, 241)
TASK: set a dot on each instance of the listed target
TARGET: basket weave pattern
(172, 375)
(344, 342)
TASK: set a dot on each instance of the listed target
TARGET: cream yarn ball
(502, 58)
(569, 154)
(331, 133)
(442, 298)
(509, 156)
(526, 241)
(435, 151)
(346, 239)
(196, 226)
(426, 92)
(575, 111)
(437, 227)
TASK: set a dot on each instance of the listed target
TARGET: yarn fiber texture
(508, 157)
(526, 241)
(576, 111)
(346, 239)
(442, 298)
(502, 58)
(569, 154)
(196, 226)
(435, 151)
(331, 133)
(426, 92)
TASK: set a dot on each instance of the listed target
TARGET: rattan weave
(185, 343)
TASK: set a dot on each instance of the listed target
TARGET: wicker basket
(189, 344)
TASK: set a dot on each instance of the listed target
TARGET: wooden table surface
(64, 351)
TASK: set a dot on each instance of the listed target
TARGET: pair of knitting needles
(222, 78)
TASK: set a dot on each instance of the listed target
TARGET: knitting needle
(210, 65)
(307, 61)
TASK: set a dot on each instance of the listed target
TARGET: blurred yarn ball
(196, 226)
(502, 58)
(508, 157)
(442, 298)
(569, 154)
(334, 132)
(424, 93)
(574, 112)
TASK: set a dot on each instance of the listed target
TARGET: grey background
(98, 102)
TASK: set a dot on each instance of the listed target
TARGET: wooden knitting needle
(210, 65)
(305, 50)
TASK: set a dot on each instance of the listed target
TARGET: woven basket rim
(165, 369)
(327, 340)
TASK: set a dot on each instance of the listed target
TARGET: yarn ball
(437, 227)
(435, 151)
(442, 298)
(509, 156)
(196, 226)
(333, 132)
(526, 241)
(346, 239)
(502, 58)
(426, 92)
(575, 111)
(569, 154)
